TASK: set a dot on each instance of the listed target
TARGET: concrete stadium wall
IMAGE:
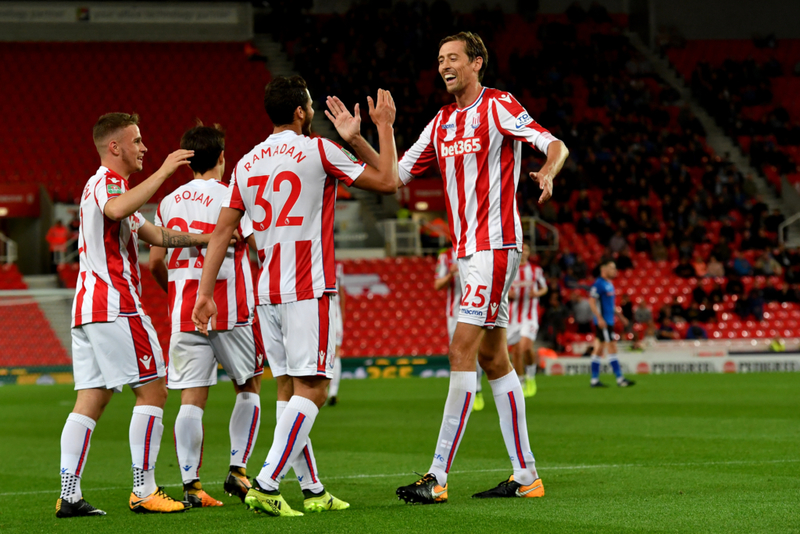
(729, 19)
(125, 21)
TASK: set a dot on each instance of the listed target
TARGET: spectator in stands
(642, 243)
(554, 319)
(677, 311)
(754, 304)
(722, 249)
(583, 203)
(716, 295)
(700, 267)
(617, 243)
(715, 268)
(698, 294)
(766, 265)
(582, 312)
(789, 294)
(659, 252)
(728, 231)
(772, 293)
(57, 237)
(584, 224)
(740, 265)
(696, 331)
(624, 261)
(685, 269)
(643, 315)
(772, 222)
(667, 331)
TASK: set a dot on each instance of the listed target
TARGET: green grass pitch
(675, 453)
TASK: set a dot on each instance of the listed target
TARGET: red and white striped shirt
(287, 185)
(109, 279)
(525, 307)
(478, 150)
(194, 207)
(446, 259)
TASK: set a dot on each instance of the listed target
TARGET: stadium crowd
(642, 181)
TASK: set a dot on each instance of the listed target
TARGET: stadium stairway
(57, 309)
(28, 338)
(715, 136)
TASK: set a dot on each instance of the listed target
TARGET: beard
(306, 128)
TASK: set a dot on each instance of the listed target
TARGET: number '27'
(284, 219)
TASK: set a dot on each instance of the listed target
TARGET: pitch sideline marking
(551, 468)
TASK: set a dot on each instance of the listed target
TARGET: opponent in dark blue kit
(603, 306)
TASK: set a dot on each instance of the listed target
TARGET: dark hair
(474, 47)
(605, 261)
(208, 142)
(111, 123)
(283, 96)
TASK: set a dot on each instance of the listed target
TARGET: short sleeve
(157, 220)
(106, 188)
(338, 162)
(233, 197)
(246, 226)
(514, 121)
(138, 220)
(593, 291)
(420, 156)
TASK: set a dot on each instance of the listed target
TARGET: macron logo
(493, 305)
(505, 98)
(233, 452)
(146, 360)
(187, 467)
(259, 359)
(113, 180)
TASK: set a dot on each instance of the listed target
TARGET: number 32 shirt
(287, 185)
(194, 208)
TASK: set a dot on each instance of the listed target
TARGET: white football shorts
(299, 337)
(516, 331)
(486, 277)
(193, 357)
(111, 355)
(338, 323)
(452, 321)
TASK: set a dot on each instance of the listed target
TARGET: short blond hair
(111, 123)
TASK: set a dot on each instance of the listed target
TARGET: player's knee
(251, 385)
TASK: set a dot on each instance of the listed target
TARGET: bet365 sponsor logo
(459, 147)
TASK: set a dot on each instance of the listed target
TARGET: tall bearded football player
(476, 142)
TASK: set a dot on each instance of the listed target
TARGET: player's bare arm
(159, 268)
(381, 174)
(205, 311)
(600, 321)
(127, 203)
(540, 292)
(557, 154)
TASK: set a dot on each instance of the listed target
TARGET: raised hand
(204, 314)
(545, 182)
(382, 111)
(175, 160)
(348, 126)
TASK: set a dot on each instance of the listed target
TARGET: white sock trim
(191, 411)
(466, 380)
(504, 384)
(88, 422)
(302, 404)
(155, 411)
